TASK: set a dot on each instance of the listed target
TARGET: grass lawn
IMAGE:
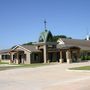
(81, 68)
(14, 66)
(4, 63)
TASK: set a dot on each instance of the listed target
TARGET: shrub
(88, 57)
(82, 58)
(85, 57)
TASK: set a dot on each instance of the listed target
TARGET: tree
(29, 43)
(56, 37)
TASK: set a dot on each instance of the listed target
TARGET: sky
(22, 21)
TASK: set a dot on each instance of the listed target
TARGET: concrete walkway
(53, 77)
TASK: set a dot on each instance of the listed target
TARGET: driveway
(52, 77)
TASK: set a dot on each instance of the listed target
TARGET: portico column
(11, 59)
(28, 58)
(68, 56)
(61, 59)
(45, 53)
(17, 60)
(79, 59)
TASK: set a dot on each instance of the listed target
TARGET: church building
(46, 51)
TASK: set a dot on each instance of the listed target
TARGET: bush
(88, 58)
(82, 58)
(85, 57)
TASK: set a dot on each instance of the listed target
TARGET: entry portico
(47, 49)
(69, 54)
(25, 54)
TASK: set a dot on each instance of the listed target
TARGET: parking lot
(51, 77)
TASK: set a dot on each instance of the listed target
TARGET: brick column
(28, 58)
(45, 54)
(68, 56)
(61, 59)
(17, 59)
(11, 57)
(78, 54)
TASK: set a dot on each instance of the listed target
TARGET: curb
(78, 70)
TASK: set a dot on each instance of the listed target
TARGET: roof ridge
(75, 39)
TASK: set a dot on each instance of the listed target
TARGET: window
(5, 57)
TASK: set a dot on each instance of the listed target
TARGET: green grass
(15, 66)
(4, 63)
(81, 68)
(7, 68)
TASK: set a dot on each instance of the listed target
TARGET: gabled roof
(31, 48)
(76, 42)
(5, 51)
(83, 44)
(45, 36)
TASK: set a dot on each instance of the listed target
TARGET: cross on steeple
(45, 24)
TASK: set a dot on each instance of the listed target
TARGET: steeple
(45, 36)
(45, 24)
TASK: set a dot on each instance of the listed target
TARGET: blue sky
(21, 21)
